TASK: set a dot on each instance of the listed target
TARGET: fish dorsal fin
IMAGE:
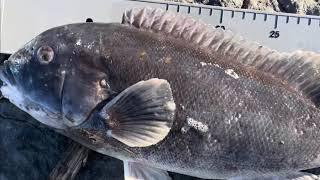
(299, 69)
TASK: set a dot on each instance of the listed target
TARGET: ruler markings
(221, 16)
(276, 22)
(233, 12)
(226, 8)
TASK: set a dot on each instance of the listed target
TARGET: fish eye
(45, 54)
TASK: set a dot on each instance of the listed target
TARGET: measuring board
(23, 20)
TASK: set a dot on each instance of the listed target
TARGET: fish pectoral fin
(137, 171)
(141, 115)
(285, 176)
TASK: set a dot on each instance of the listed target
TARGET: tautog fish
(164, 92)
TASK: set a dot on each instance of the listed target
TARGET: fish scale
(193, 108)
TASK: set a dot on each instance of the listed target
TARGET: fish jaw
(11, 91)
(42, 114)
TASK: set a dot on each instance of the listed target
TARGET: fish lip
(2, 77)
(2, 74)
(6, 75)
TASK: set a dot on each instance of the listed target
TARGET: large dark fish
(165, 92)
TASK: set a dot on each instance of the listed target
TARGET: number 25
(274, 34)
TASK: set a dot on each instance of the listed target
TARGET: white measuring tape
(23, 20)
(281, 31)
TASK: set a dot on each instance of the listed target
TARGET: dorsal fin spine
(286, 67)
(205, 41)
(143, 12)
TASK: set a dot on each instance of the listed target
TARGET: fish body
(231, 119)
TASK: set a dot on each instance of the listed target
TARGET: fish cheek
(41, 83)
(81, 94)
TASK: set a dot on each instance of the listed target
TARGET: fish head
(54, 79)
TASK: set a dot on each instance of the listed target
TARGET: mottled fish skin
(250, 126)
(228, 122)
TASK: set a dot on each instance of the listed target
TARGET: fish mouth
(38, 111)
(6, 75)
